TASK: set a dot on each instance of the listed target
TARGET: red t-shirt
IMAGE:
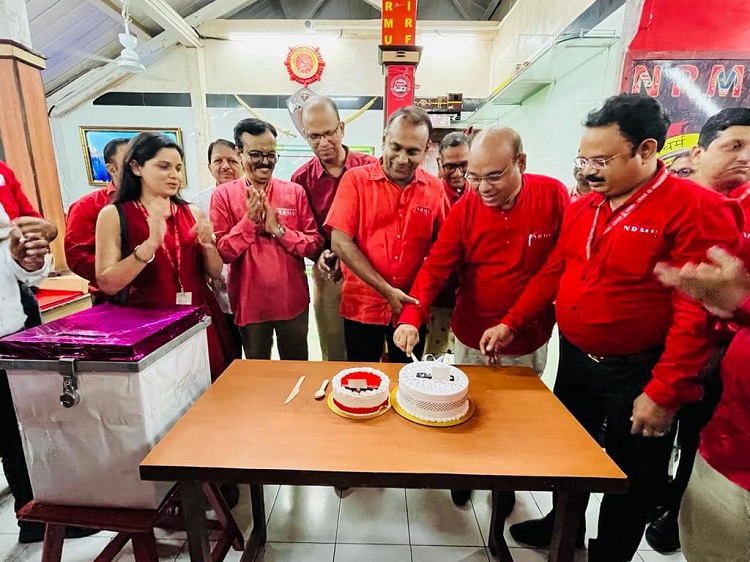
(725, 441)
(12, 197)
(321, 186)
(742, 195)
(393, 227)
(496, 252)
(80, 232)
(610, 303)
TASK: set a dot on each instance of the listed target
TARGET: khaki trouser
(714, 517)
(439, 338)
(326, 301)
(466, 355)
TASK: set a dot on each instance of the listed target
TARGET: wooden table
(520, 438)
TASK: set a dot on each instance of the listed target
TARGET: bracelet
(281, 232)
(138, 259)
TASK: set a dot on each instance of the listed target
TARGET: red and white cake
(361, 391)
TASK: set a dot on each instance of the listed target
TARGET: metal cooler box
(95, 391)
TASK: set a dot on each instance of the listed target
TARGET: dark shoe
(231, 494)
(538, 532)
(663, 535)
(460, 497)
(31, 532)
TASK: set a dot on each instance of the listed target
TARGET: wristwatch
(139, 259)
(280, 232)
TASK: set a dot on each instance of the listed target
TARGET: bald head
(496, 165)
(324, 130)
(496, 136)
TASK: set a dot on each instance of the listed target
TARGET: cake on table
(432, 391)
(361, 391)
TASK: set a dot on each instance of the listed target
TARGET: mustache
(594, 178)
(263, 167)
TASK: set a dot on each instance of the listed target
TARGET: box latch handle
(69, 396)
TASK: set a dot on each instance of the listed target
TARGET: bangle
(138, 259)
(281, 231)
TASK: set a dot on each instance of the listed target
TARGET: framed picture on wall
(94, 139)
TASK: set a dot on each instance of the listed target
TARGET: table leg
(567, 518)
(257, 538)
(194, 510)
(496, 542)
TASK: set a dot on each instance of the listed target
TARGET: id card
(185, 298)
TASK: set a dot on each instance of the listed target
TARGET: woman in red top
(163, 250)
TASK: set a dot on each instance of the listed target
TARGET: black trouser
(234, 331)
(364, 342)
(594, 391)
(30, 306)
(691, 419)
(11, 448)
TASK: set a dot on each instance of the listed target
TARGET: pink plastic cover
(103, 333)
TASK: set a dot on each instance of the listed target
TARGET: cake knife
(295, 390)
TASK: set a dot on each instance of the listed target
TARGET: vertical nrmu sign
(399, 87)
(399, 28)
(399, 22)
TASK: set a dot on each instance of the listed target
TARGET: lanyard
(174, 261)
(625, 213)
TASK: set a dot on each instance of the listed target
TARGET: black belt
(634, 358)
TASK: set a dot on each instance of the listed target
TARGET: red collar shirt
(321, 186)
(496, 253)
(393, 227)
(12, 197)
(453, 194)
(80, 232)
(267, 279)
(725, 441)
(742, 195)
(610, 303)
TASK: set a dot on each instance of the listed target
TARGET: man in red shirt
(80, 230)
(383, 221)
(452, 160)
(497, 236)
(453, 157)
(715, 514)
(265, 229)
(320, 177)
(630, 349)
(720, 161)
(581, 187)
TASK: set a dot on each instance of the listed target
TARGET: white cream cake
(433, 391)
(360, 391)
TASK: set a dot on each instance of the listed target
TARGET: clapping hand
(720, 285)
(254, 205)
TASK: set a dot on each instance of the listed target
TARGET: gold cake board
(452, 423)
(335, 409)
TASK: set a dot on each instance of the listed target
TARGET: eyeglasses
(682, 172)
(256, 157)
(450, 169)
(491, 178)
(315, 138)
(595, 163)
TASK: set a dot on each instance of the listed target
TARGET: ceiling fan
(128, 59)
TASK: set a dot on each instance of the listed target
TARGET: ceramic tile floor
(314, 524)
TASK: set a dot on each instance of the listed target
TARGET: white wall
(550, 122)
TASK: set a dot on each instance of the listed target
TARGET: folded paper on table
(103, 333)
